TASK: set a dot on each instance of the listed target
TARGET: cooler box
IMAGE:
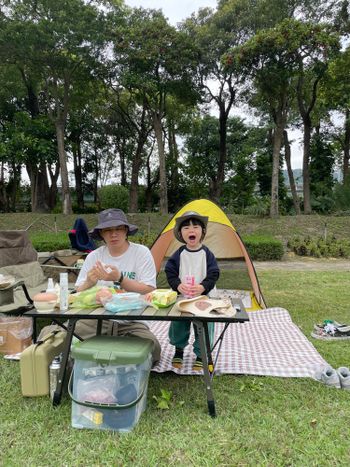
(15, 334)
(109, 383)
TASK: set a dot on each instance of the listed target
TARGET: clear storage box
(110, 381)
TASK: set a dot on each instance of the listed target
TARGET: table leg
(65, 355)
(34, 336)
(204, 345)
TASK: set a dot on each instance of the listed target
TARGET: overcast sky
(176, 11)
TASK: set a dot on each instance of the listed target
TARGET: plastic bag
(124, 302)
(87, 298)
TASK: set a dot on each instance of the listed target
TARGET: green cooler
(109, 382)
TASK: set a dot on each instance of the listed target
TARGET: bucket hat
(185, 216)
(112, 218)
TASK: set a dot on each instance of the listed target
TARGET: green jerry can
(35, 362)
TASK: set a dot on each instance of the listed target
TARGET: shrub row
(259, 248)
(319, 247)
(50, 241)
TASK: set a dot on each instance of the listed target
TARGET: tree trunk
(95, 184)
(38, 187)
(66, 197)
(163, 193)
(136, 163)
(290, 173)
(346, 145)
(3, 195)
(77, 157)
(220, 177)
(306, 165)
(53, 188)
(277, 144)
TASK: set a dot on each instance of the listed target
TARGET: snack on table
(125, 302)
(163, 298)
(91, 298)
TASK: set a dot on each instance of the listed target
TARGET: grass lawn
(261, 420)
(282, 228)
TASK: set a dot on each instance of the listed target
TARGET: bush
(260, 207)
(263, 248)
(47, 241)
(319, 247)
(114, 196)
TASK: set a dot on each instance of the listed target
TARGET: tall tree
(148, 51)
(277, 59)
(56, 45)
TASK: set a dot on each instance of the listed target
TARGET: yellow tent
(223, 240)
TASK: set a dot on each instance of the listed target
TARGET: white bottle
(50, 286)
(63, 291)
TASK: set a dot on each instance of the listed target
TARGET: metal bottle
(54, 371)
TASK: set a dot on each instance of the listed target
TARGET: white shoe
(330, 377)
(344, 377)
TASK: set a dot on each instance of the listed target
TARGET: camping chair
(19, 261)
(79, 237)
(19, 265)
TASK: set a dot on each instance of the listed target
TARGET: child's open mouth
(192, 237)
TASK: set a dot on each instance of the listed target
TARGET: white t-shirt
(136, 263)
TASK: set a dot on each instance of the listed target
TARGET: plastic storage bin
(110, 380)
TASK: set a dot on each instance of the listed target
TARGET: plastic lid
(113, 350)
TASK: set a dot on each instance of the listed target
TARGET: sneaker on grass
(344, 377)
(178, 358)
(198, 364)
(330, 377)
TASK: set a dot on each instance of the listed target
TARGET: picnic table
(171, 313)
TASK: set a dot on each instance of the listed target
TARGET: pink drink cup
(189, 280)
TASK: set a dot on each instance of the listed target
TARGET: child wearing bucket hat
(195, 261)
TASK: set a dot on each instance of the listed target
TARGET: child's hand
(190, 290)
(197, 289)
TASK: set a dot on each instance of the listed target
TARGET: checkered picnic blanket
(270, 344)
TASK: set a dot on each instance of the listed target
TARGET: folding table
(148, 313)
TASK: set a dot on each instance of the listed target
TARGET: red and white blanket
(270, 344)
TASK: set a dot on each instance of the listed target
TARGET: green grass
(261, 421)
(283, 228)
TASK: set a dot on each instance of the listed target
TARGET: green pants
(179, 334)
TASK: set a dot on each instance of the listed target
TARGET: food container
(162, 298)
(45, 301)
(125, 301)
(109, 383)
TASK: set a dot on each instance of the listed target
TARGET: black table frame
(201, 324)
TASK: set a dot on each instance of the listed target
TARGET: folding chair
(19, 264)
(79, 237)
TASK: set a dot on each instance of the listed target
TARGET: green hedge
(50, 241)
(263, 248)
(319, 247)
(260, 248)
